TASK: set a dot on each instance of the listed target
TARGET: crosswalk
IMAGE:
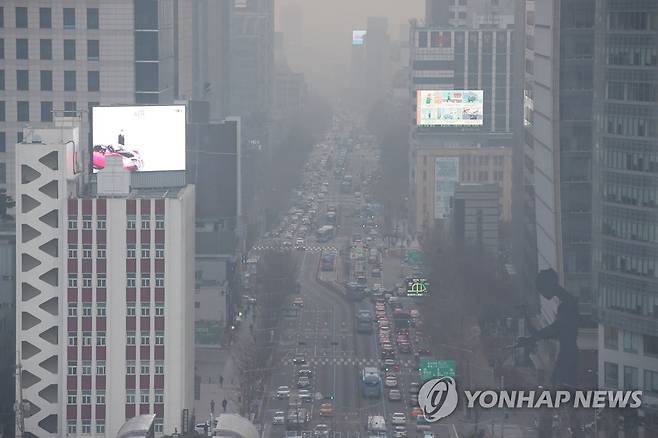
(318, 248)
(346, 361)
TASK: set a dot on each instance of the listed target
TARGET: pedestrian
(224, 404)
(221, 381)
(212, 407)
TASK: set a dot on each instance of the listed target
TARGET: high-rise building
(103, 293)
(7, 324)
(63, 57)
(377, 59)
(625, 196)
(469, 13)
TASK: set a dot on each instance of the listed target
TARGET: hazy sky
(327, 31)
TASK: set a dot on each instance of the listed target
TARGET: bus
(364, 321)
(401, 318)
(354, 291)
(325, 233)
(371, 382)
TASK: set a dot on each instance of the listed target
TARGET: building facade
(476, 215)
(626, 195)
(7, 324)
(104, 292)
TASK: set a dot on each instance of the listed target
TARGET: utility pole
(20, 406)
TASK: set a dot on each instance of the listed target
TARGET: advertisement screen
(148, 138)
(358, 37)
(446, 174)
(449, 107)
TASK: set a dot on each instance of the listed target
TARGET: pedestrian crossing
(319, 248)
(347, 361)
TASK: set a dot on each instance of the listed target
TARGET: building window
(73, 251)
(101, 222)
(86, 397)
(130, 393)
(130, 338)
(21, 17)
(146, 223)
(159, 396)
(159, 338)
(69, 18)
(159, 251)
(158, 427)
(93, 50)
(86, 339)
(73, 309)
(45, 49)
(100, 339)
(92, 18)
(86, 368)
(130, 368)
(73, 223)
(69, 80)
(72, 368)
(159, 368)
(144, 369)
(131, 252)
(130, 308)
(46, 80)
(71, 426)
(131, 280)
(651, 345)
(22, 80)
(101, 308)
(631, 342)
(159, 279)
(2, 17)
(101, 252)
(86, 251)
(101, 368)
(651, 381)
(146, 280)
(159, 309)
(3, 116)
(72, 397)
(69, 50)
(611, 337)
(100, 397)
(23, 111)
(73, 279)
(611, 374)
(146, 252)
(145, 338)
(159, 222)
(146, 309)
(144, 397)
(2, 80)
(45, 18)
(86, 222)
(100, 424)
(46, 111)
(3, 141)
(73, 339)
(131, 222)
(93, 81)
(86, 309)
(86, 279)
(70, 109)
(631, 378)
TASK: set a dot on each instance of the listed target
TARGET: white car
(283, 392)
(299, 244)
(321, 430)
(279, 417)
(398, 418)
(391, 381)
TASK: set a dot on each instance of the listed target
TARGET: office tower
(103, 294)
(437, 12)
(7, 324)
(469, 13)
(626, 196)
(63, 57)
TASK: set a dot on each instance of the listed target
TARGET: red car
(132, 160)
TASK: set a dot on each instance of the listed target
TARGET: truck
(376, 426)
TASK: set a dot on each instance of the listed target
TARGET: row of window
(101, 280)
(628, 125)
(101, 309)
(46, 80)
(46, 18)
(101, 341)
(101, 251)
(23, 112)
(144, 338)
(101, 370)
(72, 426)
(646, 161)
(85, 397)
(631, 341)
(632, 91)
(144, 396)
(646, 266)
(131, 222)
(69, 49)
(631, 378)
(631, 195)
(630, 229)
(636, 56)
(633, 21)
(618, 297)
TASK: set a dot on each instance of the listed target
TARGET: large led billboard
(148, 138)
(446, 176)
(358, 37)
(449, 107)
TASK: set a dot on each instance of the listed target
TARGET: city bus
(325, 233)
(371, 383)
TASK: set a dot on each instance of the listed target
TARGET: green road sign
(432, 369)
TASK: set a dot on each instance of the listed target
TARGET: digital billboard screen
(358, 37)
(449, 107)
(148, 138)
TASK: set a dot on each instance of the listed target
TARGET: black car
(299, 359)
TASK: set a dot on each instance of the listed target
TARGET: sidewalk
(213, 364)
